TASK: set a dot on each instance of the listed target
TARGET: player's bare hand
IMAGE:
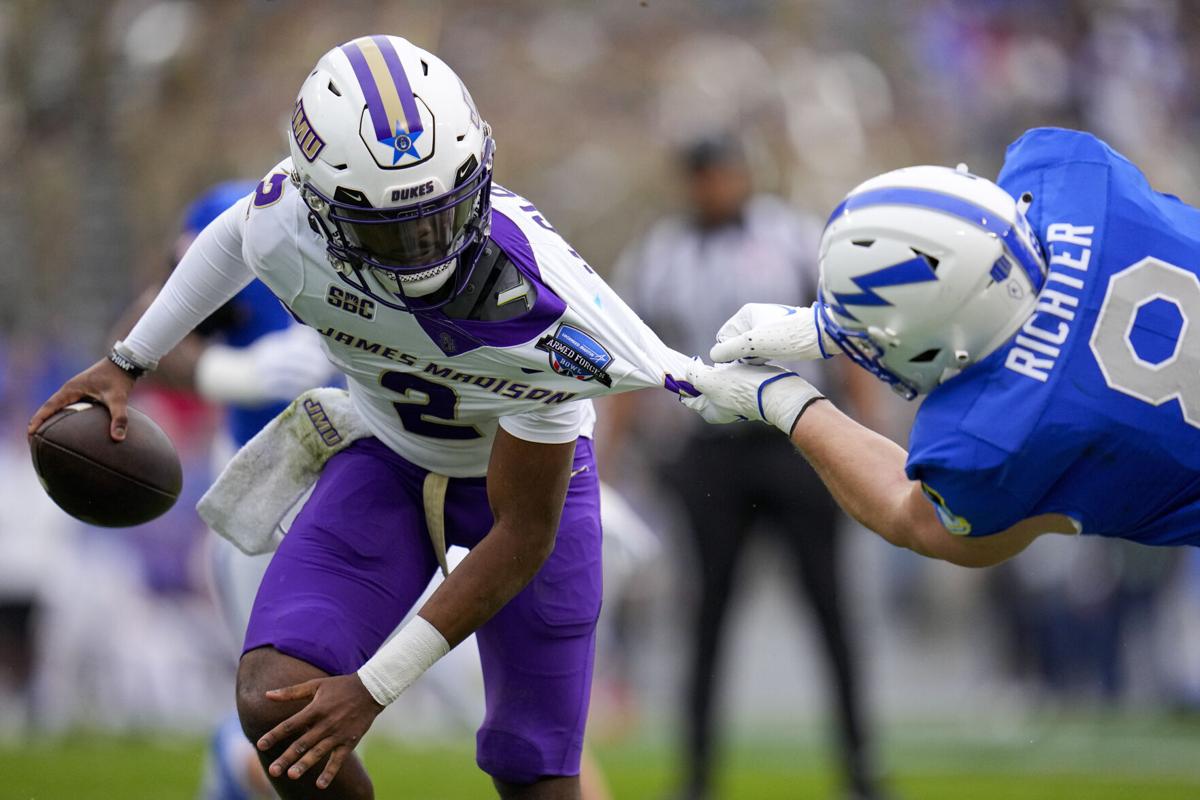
(338, 714)
(104, 382)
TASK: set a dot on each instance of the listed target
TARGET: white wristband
(402, 660)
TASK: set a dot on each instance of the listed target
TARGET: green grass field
(1094, 758)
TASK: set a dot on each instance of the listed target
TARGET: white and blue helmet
(924, 271)
(395, 163)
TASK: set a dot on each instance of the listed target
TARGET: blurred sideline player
(470, 369)
(251, 358)
(1050, 319)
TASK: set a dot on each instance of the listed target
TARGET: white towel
(273, 471)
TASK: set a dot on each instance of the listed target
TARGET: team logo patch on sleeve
(577, 355)
(957, 525)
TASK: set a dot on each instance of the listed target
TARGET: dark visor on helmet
(413, 238)
(404, 238)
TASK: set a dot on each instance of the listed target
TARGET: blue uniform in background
(1093, 409)
(252, 313)
(256, 312)
(249, 315)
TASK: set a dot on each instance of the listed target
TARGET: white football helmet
(395, 163)
(925, 271)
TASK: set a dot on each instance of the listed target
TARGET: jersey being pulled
(434, 387)
(1093, 409)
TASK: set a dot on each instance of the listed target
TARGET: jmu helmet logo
(309, 142)
(577, 355)
(396, 126)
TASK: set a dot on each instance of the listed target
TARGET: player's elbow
(534, 540)
(931, 540)
(542, 544)
(975, 558)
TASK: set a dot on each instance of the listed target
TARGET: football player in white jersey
(471, 335)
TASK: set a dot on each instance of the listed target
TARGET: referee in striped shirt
(685, 278)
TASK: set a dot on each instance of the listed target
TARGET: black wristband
(126, 365)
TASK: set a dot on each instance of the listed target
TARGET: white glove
(739, 391)
(710, 412)
(277, 366)
(760, 331)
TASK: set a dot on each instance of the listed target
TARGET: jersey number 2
(1176, 376)
(426, 402)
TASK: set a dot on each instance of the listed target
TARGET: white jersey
(434, 388)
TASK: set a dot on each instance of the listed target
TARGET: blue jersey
(251, 314)
(1093, 409)
(255, 313)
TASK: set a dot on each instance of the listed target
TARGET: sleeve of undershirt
(211, 272)
(554, 424)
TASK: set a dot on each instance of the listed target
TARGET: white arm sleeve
(211, 272)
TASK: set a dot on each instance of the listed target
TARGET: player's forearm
(491, 575)
(863, 470)
(527, 485)
(496, 569)
(210, 273)
(865, 473)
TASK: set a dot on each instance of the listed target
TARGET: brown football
(102, 482)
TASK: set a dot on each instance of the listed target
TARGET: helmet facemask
(860, 348)
(400, 256)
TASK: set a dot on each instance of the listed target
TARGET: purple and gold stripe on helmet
(390, 99)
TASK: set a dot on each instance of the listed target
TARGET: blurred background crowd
(115, 113)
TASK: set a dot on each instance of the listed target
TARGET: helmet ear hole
(925, 357)
(930, 260)
(333, 88)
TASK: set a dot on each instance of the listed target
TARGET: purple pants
(358, 556)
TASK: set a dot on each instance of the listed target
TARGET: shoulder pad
(497, 290)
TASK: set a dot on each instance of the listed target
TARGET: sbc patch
(957, 525)
(577, 355)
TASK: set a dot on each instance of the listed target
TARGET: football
(102, 482)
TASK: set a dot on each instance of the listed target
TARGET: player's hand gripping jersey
(536, 331)
(1093, 409)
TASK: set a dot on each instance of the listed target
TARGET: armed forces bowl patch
(577, 355)
(955, 524)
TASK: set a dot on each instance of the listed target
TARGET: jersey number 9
(1174, 376)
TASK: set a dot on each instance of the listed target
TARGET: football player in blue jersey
(1050, 320)
(251, 359)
